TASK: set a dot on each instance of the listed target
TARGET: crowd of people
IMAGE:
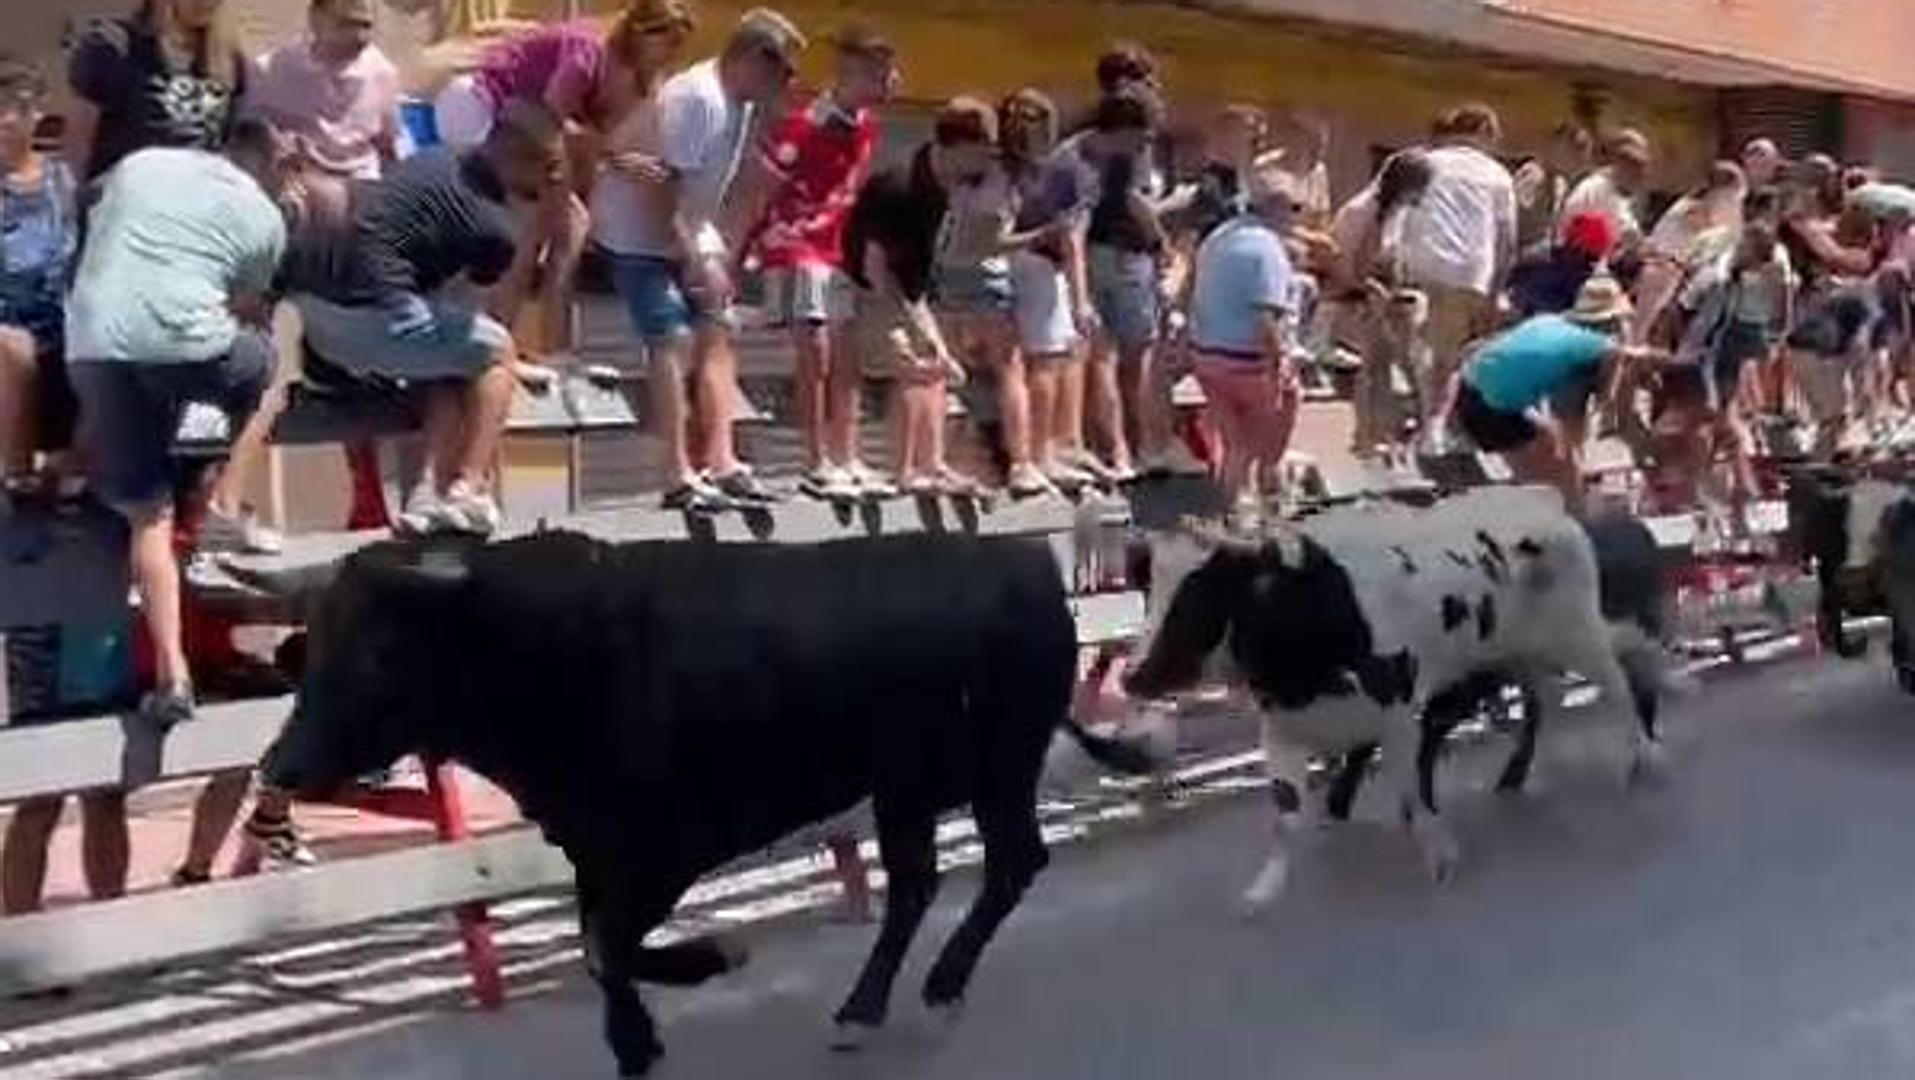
(1066, 260)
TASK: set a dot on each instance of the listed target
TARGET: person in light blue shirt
(1502, 394)
(169, 307)
(1241, 311)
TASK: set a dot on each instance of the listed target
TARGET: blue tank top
(37, 241)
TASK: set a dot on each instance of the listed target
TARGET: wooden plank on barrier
(788, 523)
(81, 754)
(66, 945)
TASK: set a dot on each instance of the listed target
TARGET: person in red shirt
(812, 162)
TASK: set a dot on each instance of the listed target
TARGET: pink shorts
(1252, 391)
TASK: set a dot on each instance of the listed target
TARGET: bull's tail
(1078, 755)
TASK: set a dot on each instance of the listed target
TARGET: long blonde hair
(641, 17)
(211, 54)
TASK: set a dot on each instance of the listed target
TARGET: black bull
(1858, 535)
(660, 709)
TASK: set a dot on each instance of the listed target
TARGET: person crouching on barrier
(1499, 396)
(384, 294)
(1243, 310)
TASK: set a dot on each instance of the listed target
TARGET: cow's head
(382, 667)
(1277, 609)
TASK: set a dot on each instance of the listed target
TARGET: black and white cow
(1380, 626)
(1859, 537)
(660, 709)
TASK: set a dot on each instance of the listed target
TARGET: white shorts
(463, 112)
(1041, 306)
(808, 293)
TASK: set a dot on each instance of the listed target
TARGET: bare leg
(486, 405)
(1540, 461)
(249, 451)
(842, 383)
(1149, 397)
(1105, 404)
(156, 575)
(213, 816)
(19, 372)
(715, 366)
(1234, 473)
(665, 397)
(442, 431)
(103, 843)
(573, 223)
(811, 341)
(23, 863)
(1067, 426)
(1041, 375)
(1014, 401)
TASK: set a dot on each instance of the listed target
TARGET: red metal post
(475, 925)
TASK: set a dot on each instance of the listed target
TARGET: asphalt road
(1752, 918)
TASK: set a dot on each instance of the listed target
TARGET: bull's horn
(1210, 534)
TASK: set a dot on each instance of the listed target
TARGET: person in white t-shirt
(672, 256)
(1458, 241)
(1613, 189)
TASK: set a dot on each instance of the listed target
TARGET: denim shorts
(358, 339)
(130, 414)
(1123, 289)
(974, 288)
(653, 291)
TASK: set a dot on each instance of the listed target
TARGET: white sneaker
(464, 510)
(1175, 460)
(1067, 477)
(1027, 480)
(420, 511)
(871, 483)
(831, 483)
(237, 534)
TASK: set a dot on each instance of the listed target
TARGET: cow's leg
(907, 847)
(1521, 760)
(1013, 855)
(1404, 755)
(1598, 661)
(1288, 769)
(1351, 769)
(1642, 672)
(613, 925)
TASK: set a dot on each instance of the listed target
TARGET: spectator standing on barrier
(890, 252)
(1364, 281)
(336, 95)
(1457, 244)
(1696, 229)
(1544, 182)
(387, 292)
(672, 263)
(1762, 163)
(590, 79)
(1126, 256)
(1048, 292)
(808, 170)
(37, 239)
(171, 75)
(1242, 323)
(169, 307)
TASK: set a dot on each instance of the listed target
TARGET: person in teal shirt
(1503, 390)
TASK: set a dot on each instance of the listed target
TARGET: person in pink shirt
(335, 94)
(590, 78)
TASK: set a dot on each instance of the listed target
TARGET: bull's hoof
(640, 1061)
(945, 1017)
(851, 1036)
(1649, 768)
(1440, 852)
(1905, 678)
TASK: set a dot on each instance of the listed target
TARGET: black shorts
(1490, 428)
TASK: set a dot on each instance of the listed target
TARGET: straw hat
(1600, 300)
